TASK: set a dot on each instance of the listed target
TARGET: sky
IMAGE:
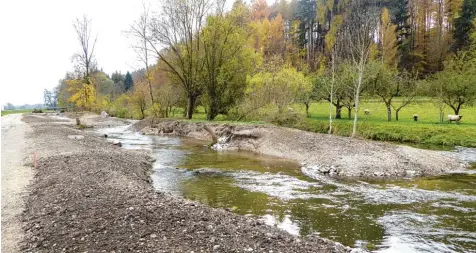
(38, 40)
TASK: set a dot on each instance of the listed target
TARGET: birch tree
(85, 57)
(141, 32)
(359, 35)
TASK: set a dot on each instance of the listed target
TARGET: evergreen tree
(117, 77)
(403, 32)
(128, 82)
(464, 25)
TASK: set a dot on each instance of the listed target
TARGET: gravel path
(91, 196)
(15, 178)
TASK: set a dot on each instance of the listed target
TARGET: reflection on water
(435, 214)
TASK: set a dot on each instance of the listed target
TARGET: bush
(37, 111)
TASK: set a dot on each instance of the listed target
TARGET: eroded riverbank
(89, 195)
(325, 154)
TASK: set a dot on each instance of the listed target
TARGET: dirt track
(89, 195)
(15, 179)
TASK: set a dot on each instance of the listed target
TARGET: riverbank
(427, 131)
(318, 153)
(90, 195)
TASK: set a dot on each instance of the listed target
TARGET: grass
(426, 132)
(6, 112)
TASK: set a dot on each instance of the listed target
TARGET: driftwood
(78, 122)
(212, 133)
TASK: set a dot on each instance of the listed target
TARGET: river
(432, 214)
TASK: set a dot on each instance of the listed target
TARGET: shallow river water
(436, 214)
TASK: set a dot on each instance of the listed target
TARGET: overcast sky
(38, 40)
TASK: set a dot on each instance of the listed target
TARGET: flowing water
(436, 214)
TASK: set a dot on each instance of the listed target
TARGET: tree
(408, 90)
(455, 84)
(140, 30)
(388, 84)
(404, 33)
(85, 58)
(9, 106)
(388, 40)
(176, 39)
(260, 10)
(84, 94)
(464, 25)
(332, 47)
(358, 29)
(227, 60)
(128, 82)
(306, 14)
(138, 98)
(50, 98)
(167, 93)
(274, 90)
(118, 80)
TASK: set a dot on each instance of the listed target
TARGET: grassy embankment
(426, 130)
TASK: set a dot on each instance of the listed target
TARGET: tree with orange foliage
(260, 10)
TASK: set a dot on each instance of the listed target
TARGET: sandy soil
(91, 196)
(15, 179)
(319, 153)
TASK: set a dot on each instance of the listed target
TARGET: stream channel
(432, 214)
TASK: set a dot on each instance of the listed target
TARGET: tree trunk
(212, 113)
(389, 112)
(396, 114)
(356, 98)
(190, 106)
(307, 110)
(349, 112)
(338, 112)
(330, 115)
(457, 109)
(150, 93)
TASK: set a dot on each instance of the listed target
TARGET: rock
(216, 247)
(167, 130)
(324, 170)
(104, 114)
(76, 137)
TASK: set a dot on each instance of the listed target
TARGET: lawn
(427, 130)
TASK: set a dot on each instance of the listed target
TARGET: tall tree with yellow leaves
(388, 40)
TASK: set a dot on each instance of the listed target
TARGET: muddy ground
(318, 153)
(91, 196)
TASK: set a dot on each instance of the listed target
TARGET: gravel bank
(319, 153)
(91, 196)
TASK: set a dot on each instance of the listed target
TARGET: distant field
(6, 112)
